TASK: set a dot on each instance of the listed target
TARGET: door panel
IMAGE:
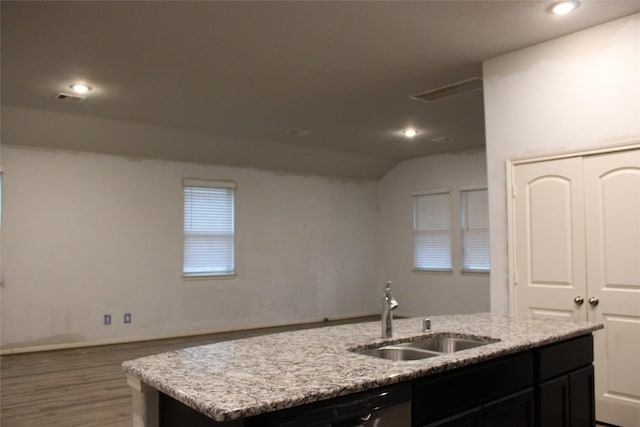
(612, 209)
(548, 201)
(549, 241)
(624, 383)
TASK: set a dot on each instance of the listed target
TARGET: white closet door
(612, 209)
(549, 240)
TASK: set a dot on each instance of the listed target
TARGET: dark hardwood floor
(86, 387)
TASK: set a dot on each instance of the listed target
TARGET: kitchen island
(250, 381)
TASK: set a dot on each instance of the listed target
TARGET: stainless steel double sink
(430, 346)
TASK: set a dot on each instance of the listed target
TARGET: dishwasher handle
(353, 422)
(352, 412)
(352, 409)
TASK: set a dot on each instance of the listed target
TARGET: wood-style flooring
(86, 387)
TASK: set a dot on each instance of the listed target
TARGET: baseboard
(125, 340)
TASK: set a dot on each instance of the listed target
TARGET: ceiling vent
(442, 140)
(448, 91)
(67, 97)
(297, 132)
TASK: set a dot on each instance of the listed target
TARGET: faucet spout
(389, 304)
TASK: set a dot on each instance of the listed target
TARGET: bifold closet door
(612, 211)
(550, 272)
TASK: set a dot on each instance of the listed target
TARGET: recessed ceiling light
(410, 133)
(563, 7)
(80, 88)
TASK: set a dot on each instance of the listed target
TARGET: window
(431, 234)
(0, 198)
(1, 225)
(208, 228)
(474, 214)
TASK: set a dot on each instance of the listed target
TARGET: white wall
(427, 293)
(577, 91)
(88, 234)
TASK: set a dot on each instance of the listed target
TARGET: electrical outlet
(127, 318)
(107, 319)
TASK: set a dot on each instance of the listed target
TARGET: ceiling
(342, 70)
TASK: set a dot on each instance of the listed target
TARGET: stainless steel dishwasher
(383, 407)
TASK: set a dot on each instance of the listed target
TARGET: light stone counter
(237, 379)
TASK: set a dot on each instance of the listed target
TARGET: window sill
(471, 271)
(432, 270)
(209, 276)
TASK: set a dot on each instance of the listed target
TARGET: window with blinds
(208, 228)
(1, 225)
(0, 198)
(475, 230)
(431, 232)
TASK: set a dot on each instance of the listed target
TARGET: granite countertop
(241, 378)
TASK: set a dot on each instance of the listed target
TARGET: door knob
(578, 300)
(594, 301)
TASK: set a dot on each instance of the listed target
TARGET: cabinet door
(451, 393)
(552, 399)
(581, 400)
(472, 418)
(514, 410)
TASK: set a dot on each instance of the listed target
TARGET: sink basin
(397, 353)
(425, 347)
(447, 343)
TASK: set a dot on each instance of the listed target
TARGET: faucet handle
(388, 284)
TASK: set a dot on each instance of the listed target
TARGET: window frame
(218, 184)
(433, 192)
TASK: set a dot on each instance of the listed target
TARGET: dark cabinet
(581, 402)
(565, 394)
(567, 400)
(553, 402)
(471, 418)
(550, 386)
(514, 410)
(451, 393)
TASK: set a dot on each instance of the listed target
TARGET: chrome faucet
(389, 304)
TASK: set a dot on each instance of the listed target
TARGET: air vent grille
(442, 140)
(447, 91)
(297, 132)
(67, 97)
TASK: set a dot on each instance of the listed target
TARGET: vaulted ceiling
(340, 73)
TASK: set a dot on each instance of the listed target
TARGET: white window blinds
(475, 230)
(208, 228)
(431, 235)
(0, 198)
(0, 224)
